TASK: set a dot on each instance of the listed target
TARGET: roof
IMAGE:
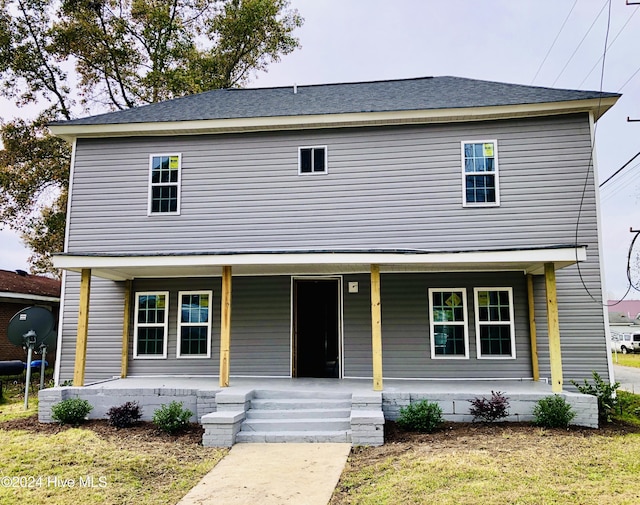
(377, 96)
(22, 283)
(629, 308)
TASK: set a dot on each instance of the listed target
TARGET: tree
(88, 56)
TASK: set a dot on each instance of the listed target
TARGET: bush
(604, 391)
(490, 410)
(124, 415)
(421, 416)
(172, 418)
(553, 412)
(71, 411)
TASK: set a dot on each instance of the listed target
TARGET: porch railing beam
(125, 329)
(225, 326)
(83, 328)
(376, 328)
(553, 325)
(533, 336)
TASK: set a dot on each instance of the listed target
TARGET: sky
(553, 43)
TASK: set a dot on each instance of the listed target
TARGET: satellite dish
(50, 341)
(31, 328)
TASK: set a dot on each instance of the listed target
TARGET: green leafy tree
(86, 56)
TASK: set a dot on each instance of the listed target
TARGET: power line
(583, 39)
(554, 42)
(628, 80)
(620, 169)
(612, 42)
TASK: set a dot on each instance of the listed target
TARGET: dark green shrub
(490, 409)
(71, 411)
(604, 391)
(421, 416)
(553, 412)
(124, 415)
(172, 418)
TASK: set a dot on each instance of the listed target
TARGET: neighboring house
(416, 229)
(19, 290)
(630, 309)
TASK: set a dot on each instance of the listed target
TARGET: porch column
(376, 328)
(225, 326)
(555, 354)
(125, 329)
(83, 326)
(532, 330)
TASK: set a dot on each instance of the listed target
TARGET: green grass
(632, 360)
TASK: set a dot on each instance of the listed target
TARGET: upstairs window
(151, 319)
(312, 160)
(164, 184)
(448, 321)
(194, 324)
(495, 332)
(480, 173)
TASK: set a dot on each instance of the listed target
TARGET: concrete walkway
(272, 474)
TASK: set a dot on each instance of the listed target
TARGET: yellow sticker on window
(160, 302)
(204, 302)
(453, 301)
(488, 149)
(174, 161)
(483, 298)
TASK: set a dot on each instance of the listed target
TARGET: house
(416, 229)
(19, 290)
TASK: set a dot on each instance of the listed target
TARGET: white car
(625, 342)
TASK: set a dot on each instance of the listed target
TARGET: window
(150, 332)
(312, 160)
(480, 173)
(448, 321)
(495, 333)
(164, 184)
(194, 324)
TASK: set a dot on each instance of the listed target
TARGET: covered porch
(532, 262)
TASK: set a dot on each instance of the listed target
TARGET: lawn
(497, 464)
(632, 360)
(95, 463)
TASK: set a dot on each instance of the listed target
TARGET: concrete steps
(286, 416)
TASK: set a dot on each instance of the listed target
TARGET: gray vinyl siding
(406, 335)
(397, 187)
(104, 342)
(390, 187)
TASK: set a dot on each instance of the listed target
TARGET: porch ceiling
(130, 266)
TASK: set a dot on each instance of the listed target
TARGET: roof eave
(596, 106)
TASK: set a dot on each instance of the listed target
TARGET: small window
(448, 321)
(194, 324)
(495, 332)
(150, 331)
(164, 184)
(480, 173)
(312, 160)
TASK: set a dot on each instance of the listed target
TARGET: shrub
(421, 416)
(553, 412)
(172, 418)
(490, 410)
(71, 411)
(604, 391)
(124, 415)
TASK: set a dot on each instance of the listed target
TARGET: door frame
(339, 308)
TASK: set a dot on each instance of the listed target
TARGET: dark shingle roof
(379, 96)
(23, 283)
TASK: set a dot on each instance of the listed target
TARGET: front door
(316, 322)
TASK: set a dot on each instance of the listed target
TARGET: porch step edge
(294, 436)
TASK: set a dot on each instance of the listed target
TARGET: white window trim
(164, 325)
(511, 323)
(496, 172)
(326, 160)
(151, 185)
(463, 323)
(181, 324)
